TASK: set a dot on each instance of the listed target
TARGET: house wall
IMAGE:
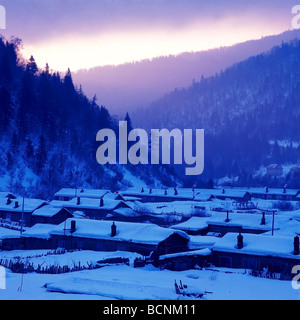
(184, 262)
(173, 244)
(12, 244)
(253, 262)
(17, 216)
(36, 243)
(69, 242)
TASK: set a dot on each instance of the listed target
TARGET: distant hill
(247, 111)
(132, 85)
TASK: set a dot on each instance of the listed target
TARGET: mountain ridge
(134, 85)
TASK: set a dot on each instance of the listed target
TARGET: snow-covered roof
(262, 245)
(187, 193)
(88, 203)
(40, 230)
(29, 205)
(248, 221)
(273, 191)
(8, 233)
(126, 231)
(283, 223)
(126, 212)
(199, 194)
(193, 224)
(202, 252)
(203, 197)
(81, 192)
(47, 211)
(200, 242)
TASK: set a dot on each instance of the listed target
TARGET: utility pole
(273, 222)
(22, 216)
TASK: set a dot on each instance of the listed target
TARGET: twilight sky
(87, 33)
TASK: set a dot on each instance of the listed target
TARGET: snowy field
(127, 283)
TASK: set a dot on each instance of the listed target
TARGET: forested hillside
(250, 113)
(48, 130)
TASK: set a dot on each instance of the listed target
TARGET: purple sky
(82, 34)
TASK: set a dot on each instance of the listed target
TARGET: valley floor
(123, 282)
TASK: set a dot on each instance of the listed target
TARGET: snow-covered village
(149, 151)
(151, 244)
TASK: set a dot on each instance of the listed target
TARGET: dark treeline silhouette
(48, 129)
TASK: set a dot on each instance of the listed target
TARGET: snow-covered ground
(126, 283)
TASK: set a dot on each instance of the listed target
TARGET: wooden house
(185, 260)
(15, 210)
(66, 194)
(168, 195)
(97, 209)
(37, 237)
(50, 215)
(279, 194)
(259, 253)
(222, 223)
(193, 226)
(142, 238)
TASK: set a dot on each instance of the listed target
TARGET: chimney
(142, 191)
(175, 192)
(166, 192)
(73, 226)
(263, 219)
(223, 191)
(296, 246)
(150, 190)
(8, 201)
(113, 230)
(101, 202)
(267, 189)
(227, 217)
(78, 200)
(284, 189)
(240, 241)
(16, 205)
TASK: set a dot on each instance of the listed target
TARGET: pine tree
(6, 110)
(14, 144)
(9, 160)
(29, 150)
(32, 67)
(41, 155)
